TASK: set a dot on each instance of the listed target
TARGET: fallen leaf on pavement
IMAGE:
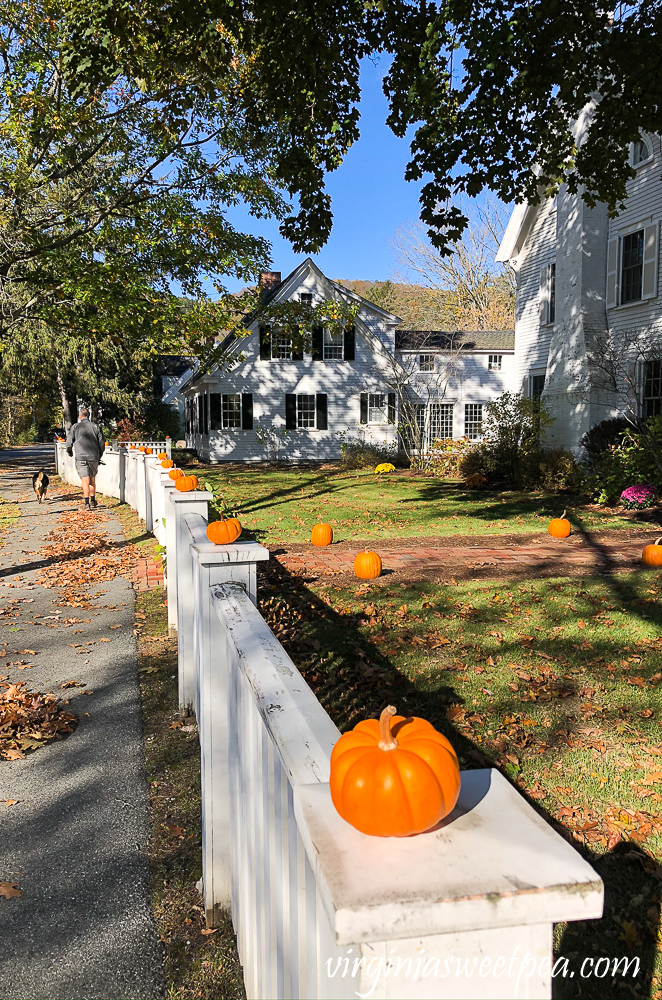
(9, 890)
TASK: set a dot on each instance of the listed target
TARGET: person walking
(85, 443)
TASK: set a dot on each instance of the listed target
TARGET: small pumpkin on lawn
(367, 565)
(394, 777)
(167, 463)
(175, 473)
(186, 483)
(322, 534)
(652, 554)
(559, 527)
(224, 532)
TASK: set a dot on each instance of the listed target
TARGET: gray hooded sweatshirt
(86, 440)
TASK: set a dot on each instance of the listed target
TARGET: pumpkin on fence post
(394, 777)
(652, 554)
(175, 473)
(367, 565)
(322, 534)
(224, 531)
(162, 455)
(186, 483)
(148, 451)
(167, 463)
(559, 527)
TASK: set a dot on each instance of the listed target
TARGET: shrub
(362, 455)
(558, 469)
(602, 437)
(634, 459)
(445, 455)
(639, 497)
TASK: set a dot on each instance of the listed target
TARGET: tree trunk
(69, 401)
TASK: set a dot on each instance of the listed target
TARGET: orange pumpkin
(652, 554)
(175, 473)
(367, 565)
(559, 527)
(224, 532)
(186, 483)
(141, 448)
(322, 534)
(148, 451)
(167, 463)
(394, 777)
(162, 455)
(131, 447)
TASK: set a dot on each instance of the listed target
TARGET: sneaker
(93, 502)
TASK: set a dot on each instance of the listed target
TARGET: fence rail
(319, 909)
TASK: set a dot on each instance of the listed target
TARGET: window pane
(441, 421)
(653, 389)
(551, 308)
(232, 410)
(640, 152)
(377, 413)
(633, 256)
(281, 347)
(537, 386)
(473, 418)
(426, 362)
(333, 345)
(494, 362)
(306, 298)
(305, 411)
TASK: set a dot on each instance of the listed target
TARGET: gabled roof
(457, 340)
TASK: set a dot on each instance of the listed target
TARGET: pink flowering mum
(639, 496)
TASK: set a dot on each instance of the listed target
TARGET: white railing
(464, 911)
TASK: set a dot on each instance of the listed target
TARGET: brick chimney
(268, 281)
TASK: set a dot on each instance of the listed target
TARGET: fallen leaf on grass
(10, 890)
(208, 930)
(174, 830)
(630, 933)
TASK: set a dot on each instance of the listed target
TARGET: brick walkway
(572, 557)
(147, 574)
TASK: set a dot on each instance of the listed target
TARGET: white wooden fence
(320, 910)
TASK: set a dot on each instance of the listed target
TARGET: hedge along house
(588, 329)
(283, 402)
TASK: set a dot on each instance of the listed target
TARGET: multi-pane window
(333, 345)
(536, 386)
(306, 298)
(653, 389)
(632, 263)
(281, 347)
(426, 362)
(231, 409)
(306, 411)
(547, 296)
(473, 420)
(377, 408)
(441, 421)
(494, 362)
(640, 152)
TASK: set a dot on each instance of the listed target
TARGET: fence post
(214, 565)
(168, 447)
(178, 504)
(57, 458)
(122, 453)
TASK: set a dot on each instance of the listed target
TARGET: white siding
(532, 338)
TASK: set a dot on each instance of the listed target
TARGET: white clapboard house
(584, 279)
(276, 403)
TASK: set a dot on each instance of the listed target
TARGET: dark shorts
(87, 470)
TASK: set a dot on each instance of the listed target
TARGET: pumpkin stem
(658, 540)
(387, 740)
(562, 515)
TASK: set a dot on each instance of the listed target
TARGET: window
(441, 421)
(632, 266)
(536, 386)
(333, 345)
(640, 152)
(653, 389)
(377, 409)
(494, 362)
(231, 409)
(547, 295)
(281, 347)
(426, 362)
(306, 298)
(473, 419)
(305, 411)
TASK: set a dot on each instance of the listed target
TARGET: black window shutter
(265, 344)
(391, 407)
(290, 411)
(364, 407)
(350, 344)
(215, 411)
(318, 343)
(322, 423)
(297, 347)
(247, 411)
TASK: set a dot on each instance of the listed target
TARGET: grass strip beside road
(9, 512)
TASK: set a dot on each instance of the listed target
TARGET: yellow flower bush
(384, 467)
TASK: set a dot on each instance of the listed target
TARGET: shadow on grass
(354, 679)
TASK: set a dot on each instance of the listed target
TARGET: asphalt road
(76, 839)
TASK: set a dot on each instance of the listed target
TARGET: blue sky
(370, 198)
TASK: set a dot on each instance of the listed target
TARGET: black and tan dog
(40, 484)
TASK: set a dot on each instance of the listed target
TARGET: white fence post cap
(493, 863)
(179, 496)
(235, 552)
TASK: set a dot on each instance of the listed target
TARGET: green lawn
(282, 505)
(556, 682)
(9, 512)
